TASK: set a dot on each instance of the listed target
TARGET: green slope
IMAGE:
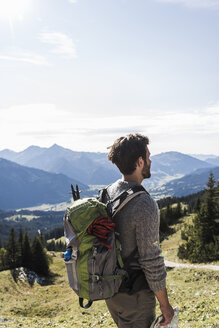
(55, 305)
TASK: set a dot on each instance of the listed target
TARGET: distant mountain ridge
(172, 165)
(211, 159)
(87, 167)
(22, 186)
(173, 162)
(203, 157)
(42, 175)
(95, 168)
(189, 184)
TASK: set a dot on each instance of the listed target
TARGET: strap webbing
(81, 301)
(119, 257)
(123, 203)
(110, 277)
(115, 205)
(129, 192)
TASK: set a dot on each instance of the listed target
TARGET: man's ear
(140, 162)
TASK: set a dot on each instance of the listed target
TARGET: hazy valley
(39, 176)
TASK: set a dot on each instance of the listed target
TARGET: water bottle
(67, 254)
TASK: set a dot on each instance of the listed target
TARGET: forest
(200, 238)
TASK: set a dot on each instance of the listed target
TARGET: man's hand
(165, 307)
(168, 314)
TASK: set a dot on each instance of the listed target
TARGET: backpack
(93, 259)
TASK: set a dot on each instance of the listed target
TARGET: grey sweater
(138, 226)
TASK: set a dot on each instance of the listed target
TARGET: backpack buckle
(95, 277)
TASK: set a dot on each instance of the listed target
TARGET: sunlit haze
(13, 9)
(82, 73)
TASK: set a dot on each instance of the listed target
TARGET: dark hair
(126, 150)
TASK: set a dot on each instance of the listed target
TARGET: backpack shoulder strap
(125, 197)
(102, 195)
(116, 204)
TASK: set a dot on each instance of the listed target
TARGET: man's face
(147, 165)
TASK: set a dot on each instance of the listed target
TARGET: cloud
(62, 43)
(214, 109)
(72, 1)
(24, 56)
(193, 3)
(45, 124)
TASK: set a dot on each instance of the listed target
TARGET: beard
(146, 173)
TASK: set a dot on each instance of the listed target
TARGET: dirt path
(187, 265)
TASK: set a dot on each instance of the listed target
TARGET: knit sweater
(138, 227)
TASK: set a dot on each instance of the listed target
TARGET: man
(138, 228)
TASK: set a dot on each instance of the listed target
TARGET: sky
(81, 73)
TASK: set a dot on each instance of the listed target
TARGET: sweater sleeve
(147, 236)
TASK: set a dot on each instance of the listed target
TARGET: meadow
(55, 305)
(194, 291)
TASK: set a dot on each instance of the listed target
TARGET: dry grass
(55, 305)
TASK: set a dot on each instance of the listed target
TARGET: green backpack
(93, 258)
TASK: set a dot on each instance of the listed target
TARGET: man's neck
(132, 178)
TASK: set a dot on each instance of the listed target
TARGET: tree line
(189, 200)
(25, 252)
(42, 220)
(169, 216)
(201, 238)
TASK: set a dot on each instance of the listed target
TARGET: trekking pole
(75, 194)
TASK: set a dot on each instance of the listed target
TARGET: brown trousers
(133, 311)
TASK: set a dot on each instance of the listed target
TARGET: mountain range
(172, 165)
(87, 167)
(57, 167)
(189, 184)
(95, 169)
(212, 159)
(21, 186)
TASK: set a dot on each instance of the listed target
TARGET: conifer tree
(20, 242)
(20, 238)
(163, 223)
(217, 193)
(42, 239)
(197, 205)
(13, 250)
(40, 262)
(27, 254)
(53, 245)
(169, 213)
(178, 210)
(3, 259)
(210, 208)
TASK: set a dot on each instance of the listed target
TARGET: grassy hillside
(170, 246)
(55, 305)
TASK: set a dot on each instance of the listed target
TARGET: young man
(138, 228)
